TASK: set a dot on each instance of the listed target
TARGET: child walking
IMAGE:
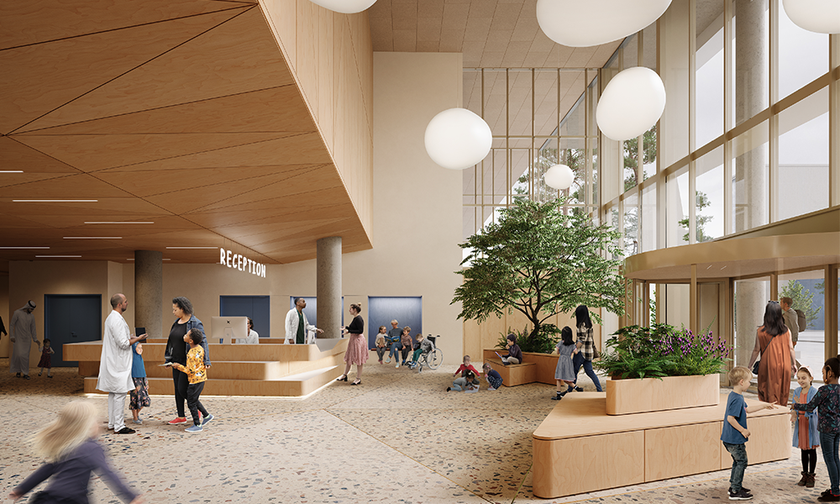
(72, 453)
(46, 360)
(493, 376)
(805, 435)
(465, 382)
(380, 345)
(140, 394)
(735, 433)
(564, 373)
(827, 402)
(196, 375)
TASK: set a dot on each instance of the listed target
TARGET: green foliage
(662, 350)
(702, 201)
(802, 299)
(631, 157)
(542, 342)
(540, 261)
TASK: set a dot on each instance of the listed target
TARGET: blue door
(408, 311)
(256, 307)
(71, 318)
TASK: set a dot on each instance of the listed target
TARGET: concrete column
(148, 291)
(752, 174)
(329, 286)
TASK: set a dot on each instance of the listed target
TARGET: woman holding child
(777, 362)
(357, 350)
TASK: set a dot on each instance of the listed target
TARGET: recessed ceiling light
(11, 171)
(93, 237)
(115, 222)
(55, 201)
(192, 248)
(24, 248)
(53, 256)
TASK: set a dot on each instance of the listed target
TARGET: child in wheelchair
(422, 347)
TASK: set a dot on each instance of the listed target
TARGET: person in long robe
(777, 364)
(115, 364)
(22, 327)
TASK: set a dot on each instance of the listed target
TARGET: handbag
(755, 367)
(595, 353)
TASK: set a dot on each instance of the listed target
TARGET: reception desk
(254, 370)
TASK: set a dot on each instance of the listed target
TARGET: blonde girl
(68, 444)
(805, 435)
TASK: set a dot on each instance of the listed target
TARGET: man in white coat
(115, 364)
(22, 327)
(297, 326)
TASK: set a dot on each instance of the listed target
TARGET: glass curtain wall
(539, 117)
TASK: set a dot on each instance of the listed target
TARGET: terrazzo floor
(397, 438)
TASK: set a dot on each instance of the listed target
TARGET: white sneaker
(388, 360)
(398, 365)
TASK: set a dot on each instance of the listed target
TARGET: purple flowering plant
(662, 350)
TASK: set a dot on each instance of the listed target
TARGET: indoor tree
(539, 260)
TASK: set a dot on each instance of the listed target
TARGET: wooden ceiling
(183, 114)
(490, 33)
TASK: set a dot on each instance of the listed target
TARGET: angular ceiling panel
(237, 56)
(90, 153)
(26, 23)
(29, 91)
(277, 109)
(79, 186)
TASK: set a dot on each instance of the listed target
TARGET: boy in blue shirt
(735, 433)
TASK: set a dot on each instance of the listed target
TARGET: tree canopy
(541, 261)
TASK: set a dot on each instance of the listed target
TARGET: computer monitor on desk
(225, 329)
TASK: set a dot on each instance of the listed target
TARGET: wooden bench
(515, 374)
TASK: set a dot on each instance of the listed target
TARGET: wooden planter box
(635, 395)
(545, 365)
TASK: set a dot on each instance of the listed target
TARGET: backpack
(800, 319)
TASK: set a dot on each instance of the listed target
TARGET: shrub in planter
(662, 350)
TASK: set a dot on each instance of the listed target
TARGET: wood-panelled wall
(477, 336)
(331, 59)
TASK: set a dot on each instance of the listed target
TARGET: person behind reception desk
(176, 351)
(735, 434)
(827, 403)
(253, 337)
(357, 351)
(297, 325)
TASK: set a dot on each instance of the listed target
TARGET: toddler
(493, 376)
(827, 402)
(564, 374)
(139, 396)
(805, 435)
(46, 360)
(467, 380)
(381, 346)
(196, 375)
(69, 445)
(735, 434)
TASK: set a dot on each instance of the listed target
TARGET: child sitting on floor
(493, 376)
(468, 374)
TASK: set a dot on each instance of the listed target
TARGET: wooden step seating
(270, 368)
(615, 451)
(514, 374)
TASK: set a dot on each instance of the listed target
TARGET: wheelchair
(432, 359)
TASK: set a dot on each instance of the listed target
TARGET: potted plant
(661, 368)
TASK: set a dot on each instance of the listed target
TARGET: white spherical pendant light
(559, 177)
(584, 23)
(457, 139)
(820, 16)
(345, 6)
(631, 103)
